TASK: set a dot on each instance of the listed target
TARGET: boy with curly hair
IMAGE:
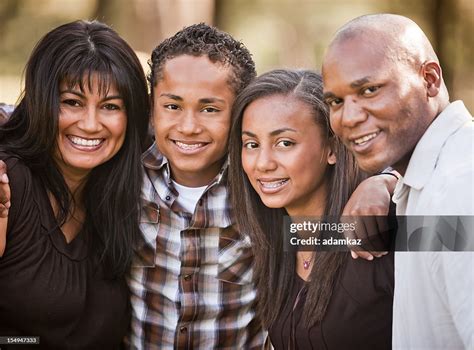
(193, 286)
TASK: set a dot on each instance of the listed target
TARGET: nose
(265, 161)
(189, 124)
(353, 113)
(89, 121)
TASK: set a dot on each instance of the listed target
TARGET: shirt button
(183, 329)
(168, 198)
(187, 277)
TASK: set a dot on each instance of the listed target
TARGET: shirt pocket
(235, 261)
(145, 250)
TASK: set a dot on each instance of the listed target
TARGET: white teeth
(272, 184)
(187, 146)
(365, 138)
(84, 142)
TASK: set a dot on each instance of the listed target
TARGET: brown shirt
(359, 314)
(49, 288)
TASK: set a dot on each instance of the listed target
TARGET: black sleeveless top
(359, 314)
(49, 288)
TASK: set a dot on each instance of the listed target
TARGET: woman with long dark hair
(285, 160)
(72, 148)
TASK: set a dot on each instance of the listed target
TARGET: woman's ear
(331, 157)
(331, 152)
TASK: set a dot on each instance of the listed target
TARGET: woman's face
(285, 154)
(91, 127)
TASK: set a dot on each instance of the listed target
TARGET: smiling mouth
(79, 141)
(364, 139)
(272, 184)
(189, 146)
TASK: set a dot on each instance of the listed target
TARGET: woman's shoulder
(15, 164)
(18, 170)
(377, 274)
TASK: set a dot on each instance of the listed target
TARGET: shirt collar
(425, 156)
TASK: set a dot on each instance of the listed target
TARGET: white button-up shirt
(434, 291)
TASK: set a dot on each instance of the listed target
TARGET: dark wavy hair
(203, 40)
(71, 54)
(275, 267)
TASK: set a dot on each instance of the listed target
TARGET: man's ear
(432, 74)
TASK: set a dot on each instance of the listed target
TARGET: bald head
(398, 37)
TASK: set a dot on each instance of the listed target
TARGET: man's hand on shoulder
(368, 207)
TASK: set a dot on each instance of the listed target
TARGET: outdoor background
(279, 33)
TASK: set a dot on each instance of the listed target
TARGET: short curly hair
(204, 40)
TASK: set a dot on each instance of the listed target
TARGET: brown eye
(334, 102)
(370, 90)
(250, 145)
(71, 102)
(171, 107)
(210, 110)
(111, 107)
(285, 143)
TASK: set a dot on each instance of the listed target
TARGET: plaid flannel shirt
(191, 283)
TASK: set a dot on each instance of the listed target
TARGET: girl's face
(91, 127)
(285, 154)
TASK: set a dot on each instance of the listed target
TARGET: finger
(365, 228)
(4, 178)
(362, 254)
(3, 172)
(374, 235)
(5, 205)
(3, 234)
(359, 233)
(5, 194)
(4, 213)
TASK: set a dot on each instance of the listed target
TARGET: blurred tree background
(279, 33)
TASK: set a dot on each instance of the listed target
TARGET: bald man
(388, 103)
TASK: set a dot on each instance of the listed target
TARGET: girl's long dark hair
(72, 53)
(274, 267)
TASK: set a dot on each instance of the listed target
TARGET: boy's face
(191, 116)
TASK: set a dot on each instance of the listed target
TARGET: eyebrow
(171, 96)
(360, 82)
(210, 100)
(355, 84)
(201, 100)
(327, 95)
(81, 95)
(273, 133)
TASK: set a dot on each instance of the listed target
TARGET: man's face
(378, 105)
(191, 115)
